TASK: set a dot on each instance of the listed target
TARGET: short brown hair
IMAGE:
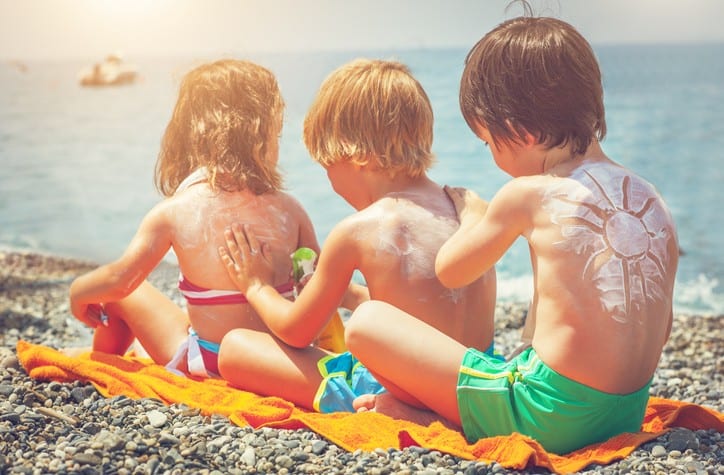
(371, 109)
(535, 75)
(226, 115)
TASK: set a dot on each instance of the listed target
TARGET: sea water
(76, 174)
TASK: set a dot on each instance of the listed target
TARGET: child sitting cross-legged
(603, 247)
(370, 127)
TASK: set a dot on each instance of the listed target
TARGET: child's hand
(468, 205)
(245, 259)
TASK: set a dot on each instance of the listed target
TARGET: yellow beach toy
(303, 263)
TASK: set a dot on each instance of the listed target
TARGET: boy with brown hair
(603, 247)
(370, 127)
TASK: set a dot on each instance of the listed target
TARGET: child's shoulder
(284, 198)
(163, 213)
(596, 175)
(402, 214)
(607, 177)
(414, 207)
(367, 221)
(525, 189)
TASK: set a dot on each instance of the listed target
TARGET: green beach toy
(303, 260)
(303, 263)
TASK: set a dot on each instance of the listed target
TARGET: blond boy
(370, 127)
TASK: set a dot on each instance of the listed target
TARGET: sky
(82, 29)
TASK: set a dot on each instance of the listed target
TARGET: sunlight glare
(123, 10)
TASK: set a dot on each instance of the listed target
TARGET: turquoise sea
(76, 164)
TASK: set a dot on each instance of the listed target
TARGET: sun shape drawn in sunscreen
(618, 222)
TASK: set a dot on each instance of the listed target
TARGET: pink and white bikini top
(197, 295)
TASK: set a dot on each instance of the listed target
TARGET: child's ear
(364, 163)
(530, 140)
(480, 130)
(526, 138)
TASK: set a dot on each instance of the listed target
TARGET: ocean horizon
(77, 163)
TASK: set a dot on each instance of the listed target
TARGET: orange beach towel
(141, 378)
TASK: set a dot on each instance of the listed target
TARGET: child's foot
(389, 405)
(364, 403)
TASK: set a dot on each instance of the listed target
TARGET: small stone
(658, 451)
(172, 457)
(319, 446)
(87, 459)
(6, 389)
(168, 439)
(682, 439)
(10, 362)
(156, 418)
(249, 457)
(78, 394)
(284, 461)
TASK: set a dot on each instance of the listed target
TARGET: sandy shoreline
(34, 307)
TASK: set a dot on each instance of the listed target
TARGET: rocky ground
(48, 427)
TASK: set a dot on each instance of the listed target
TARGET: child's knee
(361, 319)
(231, 349)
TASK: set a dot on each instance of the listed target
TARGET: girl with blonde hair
(217, 165)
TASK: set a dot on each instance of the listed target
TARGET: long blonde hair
(227, 119)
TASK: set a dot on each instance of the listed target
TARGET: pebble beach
(49, 427)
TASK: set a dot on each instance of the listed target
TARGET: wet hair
(534, 75)
(371, 111)
(227, 118)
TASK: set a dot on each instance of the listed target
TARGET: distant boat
(19, 65)
(113, 71)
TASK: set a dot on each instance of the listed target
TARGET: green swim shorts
(524, 395)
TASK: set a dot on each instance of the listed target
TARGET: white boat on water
(113, 71)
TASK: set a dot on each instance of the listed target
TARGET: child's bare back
(397, 239)
(604, 253)
(199, 217)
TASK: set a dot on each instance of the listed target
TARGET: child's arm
(296, 323)
(356, 293)
(114, 281)
(485, 233)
